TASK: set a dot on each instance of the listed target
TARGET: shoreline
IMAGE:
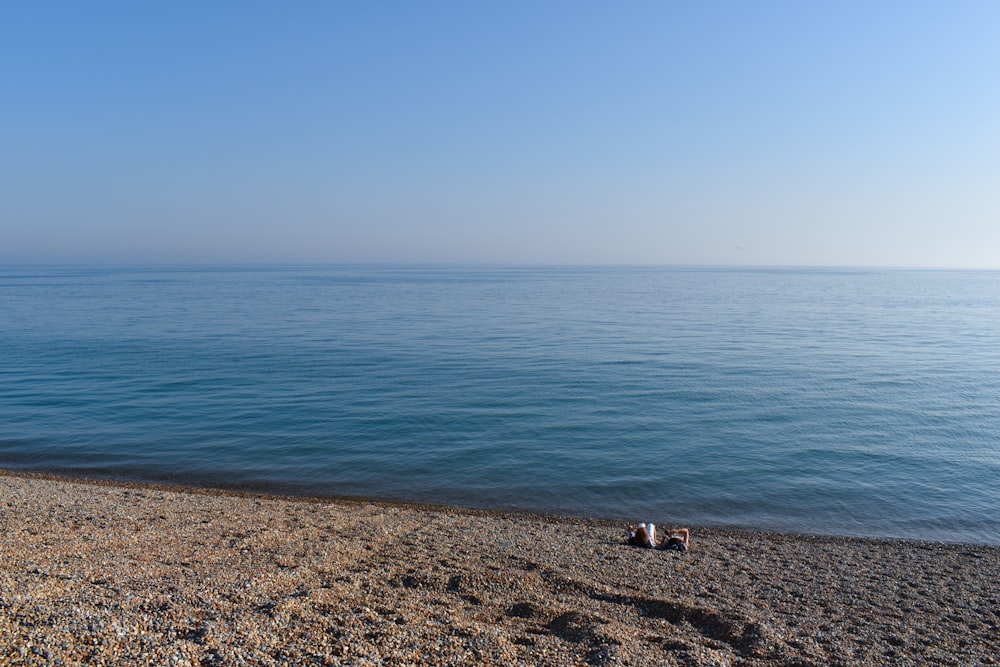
(105, 572)
(253, 492)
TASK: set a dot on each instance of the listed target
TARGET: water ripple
(842, 402)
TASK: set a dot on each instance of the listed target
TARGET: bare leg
(640, 537)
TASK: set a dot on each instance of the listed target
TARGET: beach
(100, 573)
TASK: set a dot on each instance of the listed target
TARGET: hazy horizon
(236, 266)
(565, 134)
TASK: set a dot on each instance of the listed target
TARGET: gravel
(95, 573)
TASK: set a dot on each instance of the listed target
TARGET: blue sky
(746, 133)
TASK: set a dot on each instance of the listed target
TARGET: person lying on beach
(644, 535)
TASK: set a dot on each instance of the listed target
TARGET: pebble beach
(99, 573)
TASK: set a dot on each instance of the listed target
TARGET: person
(677, 540)
(644, 535)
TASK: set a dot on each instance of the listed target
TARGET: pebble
(104, 574)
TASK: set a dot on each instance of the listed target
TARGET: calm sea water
(844, 402)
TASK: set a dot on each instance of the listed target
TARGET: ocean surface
(844, 402)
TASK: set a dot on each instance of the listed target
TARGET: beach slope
(98, 573)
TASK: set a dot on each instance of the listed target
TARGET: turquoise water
(848, 402)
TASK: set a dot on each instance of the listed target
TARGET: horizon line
(234, 264)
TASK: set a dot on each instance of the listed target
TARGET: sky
(848, 133)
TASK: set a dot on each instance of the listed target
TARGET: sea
(846, 402)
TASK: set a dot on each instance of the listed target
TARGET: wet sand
(98, 573)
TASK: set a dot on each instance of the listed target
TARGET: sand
(104, 574)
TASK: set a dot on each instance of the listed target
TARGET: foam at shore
(101, 573)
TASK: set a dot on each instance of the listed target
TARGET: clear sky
(670, 132)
